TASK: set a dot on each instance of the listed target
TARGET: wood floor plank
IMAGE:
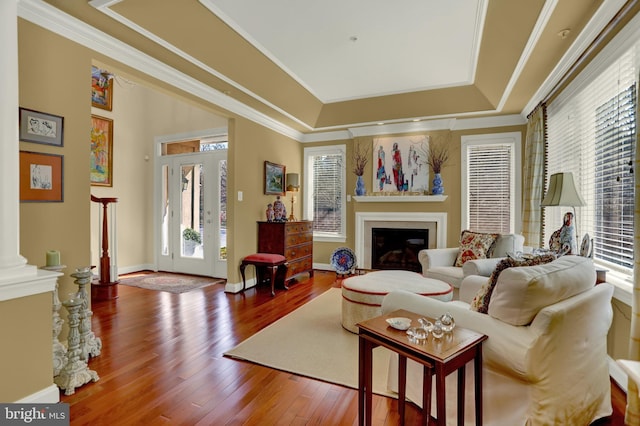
(162, 363)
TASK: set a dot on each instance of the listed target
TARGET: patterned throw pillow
(480, 302)
(474, 245)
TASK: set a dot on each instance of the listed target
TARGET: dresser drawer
(295, 239)
(298, 266)
(294, 252)
(299, 227)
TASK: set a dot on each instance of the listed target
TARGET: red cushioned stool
(273, 262)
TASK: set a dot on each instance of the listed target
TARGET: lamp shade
(562, 192)
(293, 182)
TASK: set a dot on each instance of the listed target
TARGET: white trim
(596, 24)
(53, 19)
(440, 218)
(307, 205)
(40, 282)
(538, 29)
(617, 374)
(237, 287)
(48, 395)
(512, 138)
(399, 198)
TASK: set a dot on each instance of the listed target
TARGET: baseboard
(48, 395)
(617, 374)
(136, 268)
(323, 267)
(237, 287)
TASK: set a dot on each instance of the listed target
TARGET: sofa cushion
(520, 293)
(474, 245)
(480, 302)
(507, 243)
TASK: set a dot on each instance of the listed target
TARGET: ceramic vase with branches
(360, 160)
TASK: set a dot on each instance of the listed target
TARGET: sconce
(293, 185)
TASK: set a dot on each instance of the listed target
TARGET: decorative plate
(343, 260)
(585, 247)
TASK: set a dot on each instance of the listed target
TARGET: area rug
(311, 342)
(164, 281)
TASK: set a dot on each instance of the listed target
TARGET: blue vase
(360, 188)
(437, 189)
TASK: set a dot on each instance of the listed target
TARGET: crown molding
(54, 20)
(596, 24)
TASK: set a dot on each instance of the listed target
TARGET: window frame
(508, 138)
(309, 153)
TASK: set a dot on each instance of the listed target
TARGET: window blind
(591, 133)
(327, 193)
(489, 177)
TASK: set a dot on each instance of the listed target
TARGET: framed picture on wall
(41, 177)
(101, 151)
(274, 178)
(101, 88)
(40, 127)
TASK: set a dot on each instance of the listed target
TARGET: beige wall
(250, 146)
(55, 78)
(451, 176)
(140, 113)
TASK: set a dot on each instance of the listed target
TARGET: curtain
(534, 171)
(632, 415)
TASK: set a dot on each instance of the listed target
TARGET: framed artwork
(41, 177)
(40, 127)
(101, 151)
(101, 88)
(400, 164)
(274, 178)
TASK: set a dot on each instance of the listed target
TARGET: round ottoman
(362, 295)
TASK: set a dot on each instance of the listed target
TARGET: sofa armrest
(470, 286)
(507, 349)
(431, 258)
(483, 267)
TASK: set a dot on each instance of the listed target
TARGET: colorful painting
(101, 88)
(274, 178)
(101, 151)
(400, 164)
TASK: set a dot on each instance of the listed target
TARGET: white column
(12, 264)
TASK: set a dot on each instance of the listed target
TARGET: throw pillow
(480, 302)
(474, 245)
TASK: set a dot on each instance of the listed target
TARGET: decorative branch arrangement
(360, 158)
(437, 154)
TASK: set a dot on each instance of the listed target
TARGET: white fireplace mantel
(399, 198)
(439, 218)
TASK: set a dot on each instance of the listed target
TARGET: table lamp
(562, 192)
(293, 185)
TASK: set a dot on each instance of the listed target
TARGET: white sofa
(439, 263)
(553, 369)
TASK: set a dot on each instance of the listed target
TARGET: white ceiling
(350, 49)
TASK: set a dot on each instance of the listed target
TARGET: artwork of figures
(400, 164)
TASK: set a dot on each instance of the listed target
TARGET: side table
(438, 356)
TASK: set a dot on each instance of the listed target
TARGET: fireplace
(430, 226)
(394, 248)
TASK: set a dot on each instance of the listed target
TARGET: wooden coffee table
(438, 356)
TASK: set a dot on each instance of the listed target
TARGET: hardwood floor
(162, 363)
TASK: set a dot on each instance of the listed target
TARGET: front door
(192, 213)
